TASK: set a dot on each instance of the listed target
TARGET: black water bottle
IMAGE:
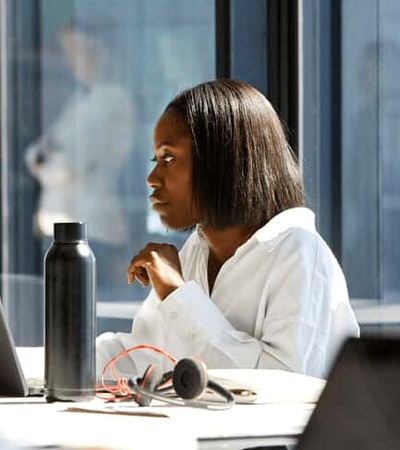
(70, 327)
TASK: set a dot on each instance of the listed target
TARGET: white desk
(35, 423)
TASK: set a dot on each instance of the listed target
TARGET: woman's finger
(139, 273)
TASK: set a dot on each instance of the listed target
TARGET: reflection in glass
(78, 158)
(86, 82)
(370, 153)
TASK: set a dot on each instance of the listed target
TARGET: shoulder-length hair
(244, 171)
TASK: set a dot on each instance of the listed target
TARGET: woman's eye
(167, 158)
(164, 158)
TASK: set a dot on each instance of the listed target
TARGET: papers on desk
(268, 386)
(122, 408)
(37, 424)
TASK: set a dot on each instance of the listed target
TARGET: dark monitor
(359, 407)
(12, 380)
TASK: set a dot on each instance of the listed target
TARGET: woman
(255, 285)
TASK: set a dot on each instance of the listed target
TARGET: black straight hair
(244, 171)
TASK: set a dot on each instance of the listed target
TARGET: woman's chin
(175, 225)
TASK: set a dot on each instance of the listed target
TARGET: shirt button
(173, 315)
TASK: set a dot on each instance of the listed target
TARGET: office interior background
(329, 67)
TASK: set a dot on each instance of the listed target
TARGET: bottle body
(70, 320)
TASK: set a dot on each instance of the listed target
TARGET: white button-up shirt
(280, 302)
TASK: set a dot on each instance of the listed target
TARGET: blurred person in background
(77, 161)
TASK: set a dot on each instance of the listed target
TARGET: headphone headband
(189, 380)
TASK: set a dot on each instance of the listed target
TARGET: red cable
(121, 389)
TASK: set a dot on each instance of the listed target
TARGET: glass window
(82, 85)
(370, 148)
(350, 122)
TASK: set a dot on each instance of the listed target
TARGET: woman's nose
(153, 178)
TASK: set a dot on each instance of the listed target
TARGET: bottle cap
(70, 231)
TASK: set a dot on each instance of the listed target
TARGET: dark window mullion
(223, 38)
(282, 67)
(336, 127)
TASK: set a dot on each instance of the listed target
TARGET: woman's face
(171, 178)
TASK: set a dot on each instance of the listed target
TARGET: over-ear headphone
(189, 382)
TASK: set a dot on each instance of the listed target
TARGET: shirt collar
(277, 228)
(279, 225)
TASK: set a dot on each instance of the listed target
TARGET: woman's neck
(224, 243)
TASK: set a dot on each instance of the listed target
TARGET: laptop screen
(12, 380)
(360, 405)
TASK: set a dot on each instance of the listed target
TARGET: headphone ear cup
(149, 382)
(190, 378)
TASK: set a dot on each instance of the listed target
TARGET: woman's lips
(157, 202)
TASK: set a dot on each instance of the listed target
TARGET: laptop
(13, 382)
(359, 407)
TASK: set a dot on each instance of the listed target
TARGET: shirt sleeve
(108, 346)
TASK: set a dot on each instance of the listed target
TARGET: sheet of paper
(269, 386)
(273, 419)
(286, 419)
(129, 408)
